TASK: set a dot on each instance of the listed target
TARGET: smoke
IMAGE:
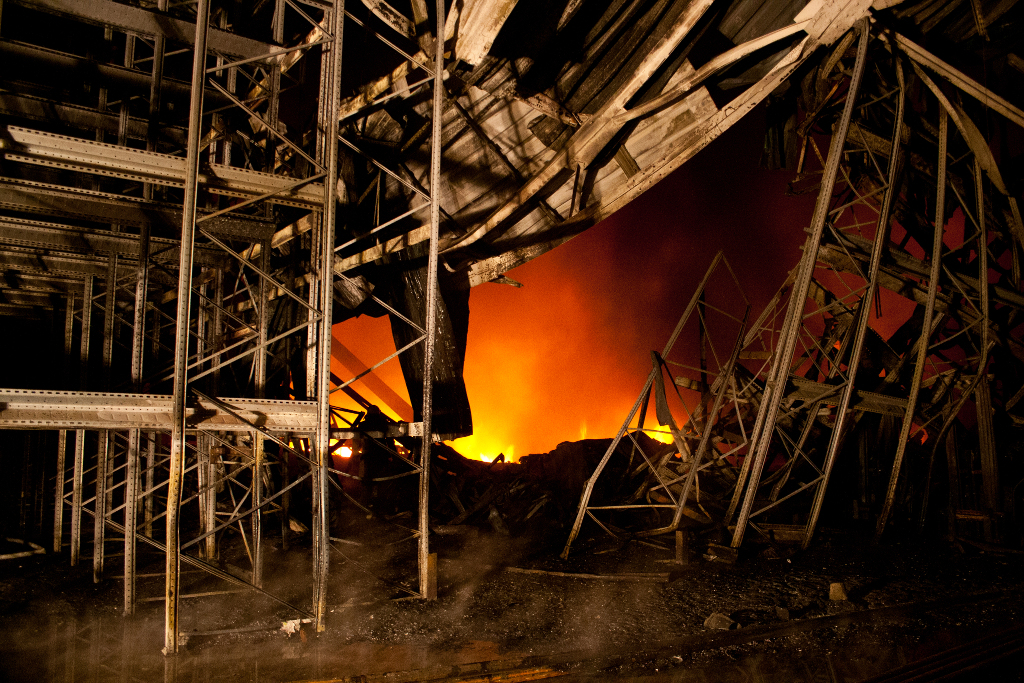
(568, 353)
(572, 346)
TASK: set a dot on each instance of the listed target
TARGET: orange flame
(663, 435)
(564, 357)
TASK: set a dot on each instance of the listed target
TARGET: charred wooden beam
(407, 281)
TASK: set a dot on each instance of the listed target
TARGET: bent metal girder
(691, 420)
(822, 366)
(940, 358)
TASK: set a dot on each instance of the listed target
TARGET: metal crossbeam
(35, 409)
(149, 23)
(86, 156)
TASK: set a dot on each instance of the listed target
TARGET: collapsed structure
(246, 176)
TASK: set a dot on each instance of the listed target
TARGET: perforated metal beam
(31, 409)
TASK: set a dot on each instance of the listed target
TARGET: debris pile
(540, 490)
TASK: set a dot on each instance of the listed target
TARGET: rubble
(536, 493)
(721, 553)
(837, 592)
(720, 622)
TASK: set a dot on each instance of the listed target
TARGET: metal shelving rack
(221, 228)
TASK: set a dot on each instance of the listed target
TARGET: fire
(573, 344)
(564, 357)
(663, 435)
(484, 447)
(546, 363)
(358, 344)
(345, 452)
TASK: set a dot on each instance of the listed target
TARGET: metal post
(139, 349)
(207, 494)
(273, 103)
(983, 392)
(258, 452)
(131, 507)
(217, 328)
(155, 83)
(258, 445)
(105, 454)
(864, 311)
(105, 470)
(330, 97)
(232, 86)
(62, 435)
(285, 501)
(76, 485)
(207, 467)
(926, 326)
(39, 486)
(260, 359)
(426, 586)
(58, 502)
(25, 504)
(155, 337)
(188, 225)
(150, 482)
(100, 505)
(765, 423)
(131, 491)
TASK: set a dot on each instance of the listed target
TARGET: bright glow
(662, 435)
(583, 430)
(367, 341)
(483, 447)
(345, 452)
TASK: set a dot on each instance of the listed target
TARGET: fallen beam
(964, 83)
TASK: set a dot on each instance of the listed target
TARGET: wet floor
(116, 649)
(499, 622)
(120, 650)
